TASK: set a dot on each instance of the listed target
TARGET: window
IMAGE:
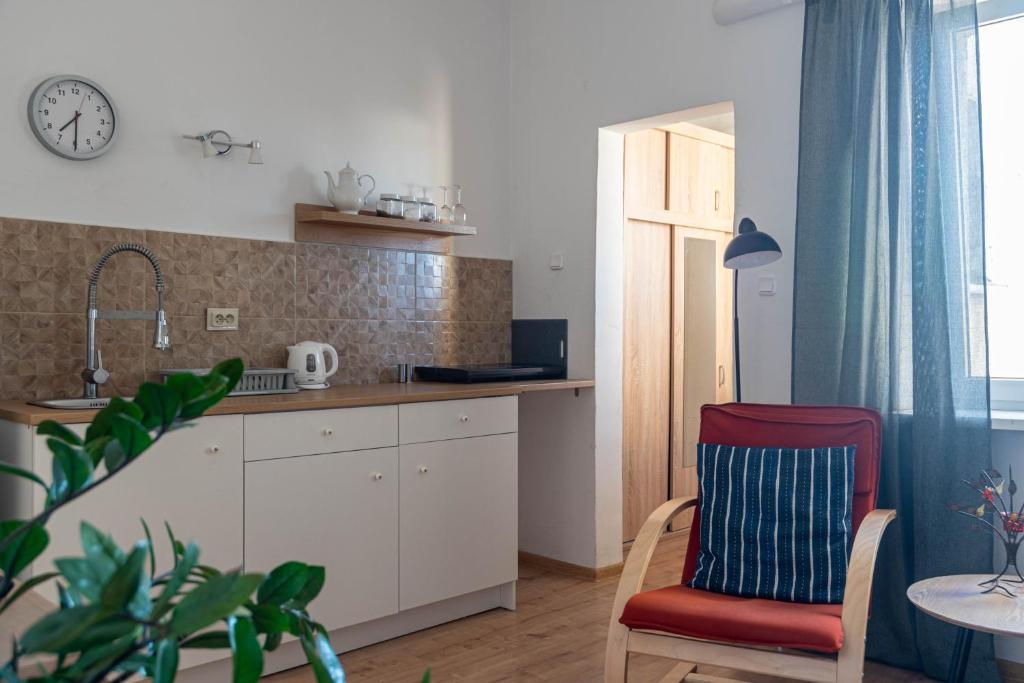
(1001, 43)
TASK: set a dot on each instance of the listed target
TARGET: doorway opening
(677, 207)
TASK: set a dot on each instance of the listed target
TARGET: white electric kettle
(307, 360)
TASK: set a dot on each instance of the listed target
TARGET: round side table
(958, 600)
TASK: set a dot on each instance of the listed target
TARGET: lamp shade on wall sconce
(208, 149)
(750, 248)
(256, 155)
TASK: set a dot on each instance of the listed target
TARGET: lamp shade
(256, 155)
(750, 248)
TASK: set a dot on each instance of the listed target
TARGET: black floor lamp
(748, 249)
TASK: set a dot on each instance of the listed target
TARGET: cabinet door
(339, 510)
(192, 479)
(646, 371)
(458, 517)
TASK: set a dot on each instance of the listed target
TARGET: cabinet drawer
(278, 435)
(440, 420)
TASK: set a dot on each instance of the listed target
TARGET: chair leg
(616, 658)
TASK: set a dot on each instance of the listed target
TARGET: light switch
(557, 261)
(766, 285)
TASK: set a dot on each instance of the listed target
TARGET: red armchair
(787, 639)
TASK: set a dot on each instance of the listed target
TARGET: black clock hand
(75, 147)
(71, 120)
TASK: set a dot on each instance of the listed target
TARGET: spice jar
(410, 208)
(389, 205)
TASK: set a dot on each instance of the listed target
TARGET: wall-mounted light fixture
(218, 143)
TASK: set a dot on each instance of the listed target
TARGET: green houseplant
(119, 615)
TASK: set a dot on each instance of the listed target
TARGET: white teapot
(347, 194)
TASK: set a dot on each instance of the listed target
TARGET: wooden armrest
(859, 575)
(640, 554)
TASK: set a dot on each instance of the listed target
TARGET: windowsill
(1008, 420)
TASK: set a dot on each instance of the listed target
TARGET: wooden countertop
(343, 396)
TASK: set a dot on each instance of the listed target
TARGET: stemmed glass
(445, 213)
(459, 212)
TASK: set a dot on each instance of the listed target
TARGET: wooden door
(458, 517)
(337, 510)
(646, 333)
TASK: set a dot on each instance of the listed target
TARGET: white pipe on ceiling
(731, 11)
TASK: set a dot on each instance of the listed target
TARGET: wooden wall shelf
(315, 223)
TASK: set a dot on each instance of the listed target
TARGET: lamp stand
(736, 333)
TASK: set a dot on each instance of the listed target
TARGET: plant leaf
(426, 676)
(269, 618)
(24, 474)
(247, 655)
(166, 665)
(72, 470)
(131, 434)
(124, 584)
(102, 423)
(283, 583)
(96, 544)
(59, 431)
(178, 577)
(57, 629)
(160, 405)
(21, 551)
(86, 577)
(26, 586)
(212, 601)
(272, 642)
(314, 584)
(152, 551)
(328, 660)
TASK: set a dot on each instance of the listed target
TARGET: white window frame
(1006, 393)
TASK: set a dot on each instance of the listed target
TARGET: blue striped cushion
(775, 522)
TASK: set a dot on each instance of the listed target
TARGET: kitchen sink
(72, 403)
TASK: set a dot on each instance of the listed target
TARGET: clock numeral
(75, 91)
(49, 125)
(88, 141)
(98, 108)
(60, 92)
(52, 100)
(103, 122)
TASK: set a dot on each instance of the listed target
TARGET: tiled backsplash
(377, 307)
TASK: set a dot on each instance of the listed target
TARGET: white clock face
(73, 117)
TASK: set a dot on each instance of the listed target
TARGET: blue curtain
(889, 302)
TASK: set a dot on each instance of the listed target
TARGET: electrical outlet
(219, 319)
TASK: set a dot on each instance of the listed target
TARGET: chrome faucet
(94, 374)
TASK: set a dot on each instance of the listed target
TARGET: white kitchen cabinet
(339, 510)
(458, 517)
(191, 478)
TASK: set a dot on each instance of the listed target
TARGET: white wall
(580, 65)
(411, 91)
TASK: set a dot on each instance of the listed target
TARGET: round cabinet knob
(376, 476)
(423, 469)
(328, 431)
(463, 418)
(213, 450)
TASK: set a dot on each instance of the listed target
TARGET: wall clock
(73, 117)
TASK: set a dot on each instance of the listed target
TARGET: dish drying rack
(253, 382)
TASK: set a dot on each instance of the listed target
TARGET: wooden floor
(557, 634)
